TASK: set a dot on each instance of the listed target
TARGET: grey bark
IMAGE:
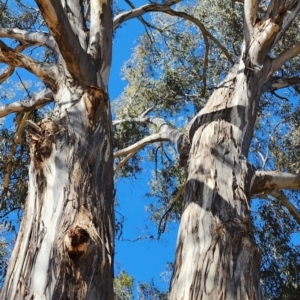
(216, 256)
(65, 247)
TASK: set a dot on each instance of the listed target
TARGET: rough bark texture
(216, 257)
(65, 246)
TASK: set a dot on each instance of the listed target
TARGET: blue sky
(143, 259)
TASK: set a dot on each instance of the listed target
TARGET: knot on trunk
(77, 241)
(42, 142)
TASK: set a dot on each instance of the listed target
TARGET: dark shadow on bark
(226, 114)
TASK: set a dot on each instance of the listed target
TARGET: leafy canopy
(174, 69)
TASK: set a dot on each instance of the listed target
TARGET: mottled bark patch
(77, 242)
(95, 100)
(41, 144)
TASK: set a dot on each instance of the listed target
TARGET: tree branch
(46, 72)
(166, 8)
(156, 137)
(100, 35)
(141, 119)
(142, 20)
(273, 8)
(164, 219)
(202, 28)
(291, 208)
(34, 38)
(67, 41)
(124, 160)
(137, 12)
(276, 83)
(75, 12)
(132, 120)
(42, 98)
(6, 74)
(283, 13)
(285, 56)
(166, 133)
(268, 181)
(250, 17)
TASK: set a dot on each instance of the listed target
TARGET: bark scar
(77, 241)
(42, 144)
(95, 100)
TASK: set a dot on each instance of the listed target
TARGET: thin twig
(163, 221)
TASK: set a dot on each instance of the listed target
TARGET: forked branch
(165, 133)
(46, 72)
(66, 39)
(273, 182)
(157, 137)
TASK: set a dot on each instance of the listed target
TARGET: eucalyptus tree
(178, 52)
(65, 247)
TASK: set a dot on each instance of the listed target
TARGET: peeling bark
(216, 256)
(65, 246)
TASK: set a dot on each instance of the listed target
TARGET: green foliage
(13, 198)
(148, 291)
(275, 229)
(4, 253)
(123, 285)
(168, 71)
(174, 69)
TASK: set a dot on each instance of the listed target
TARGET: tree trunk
(65, 246)
(216, 256)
